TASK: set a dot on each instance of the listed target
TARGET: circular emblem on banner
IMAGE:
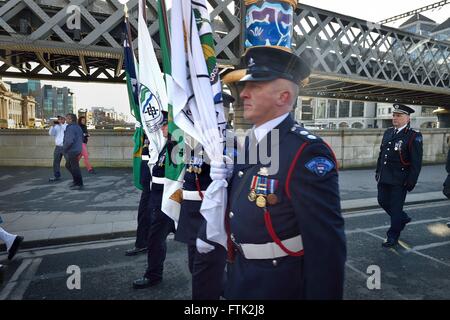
(151, 108)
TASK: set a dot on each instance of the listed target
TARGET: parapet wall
(112, 148)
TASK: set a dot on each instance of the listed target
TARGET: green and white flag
(197, 101)
(152, 92)
(132, 88)
(174, 166)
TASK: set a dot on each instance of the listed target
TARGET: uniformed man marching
(206, 259)
(398, 168)
(161, 225)
(285, 225)
(144, 215)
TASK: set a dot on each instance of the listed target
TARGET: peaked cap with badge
(401, 108)
(286, 228)
(267, 63)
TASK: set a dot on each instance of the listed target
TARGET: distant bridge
(351, 58)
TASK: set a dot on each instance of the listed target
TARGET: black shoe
(54, 179)
(135, 251)
(144, 282)
(448, 224)
(76, 187)
(15, 246)
(389, 243)
(92, 171)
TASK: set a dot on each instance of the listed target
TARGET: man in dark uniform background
(398, 167)
(286, 226)
(161, 225)
(144, 215)
(207, 259)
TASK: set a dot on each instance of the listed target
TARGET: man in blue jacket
(72, 145)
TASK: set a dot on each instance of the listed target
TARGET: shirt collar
(400, 129)
(261, 131)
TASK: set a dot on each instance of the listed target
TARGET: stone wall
(113, 148)
(360, 148)
(107, 148)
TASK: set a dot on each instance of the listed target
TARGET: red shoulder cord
(268, 220)
(409, 148)
(197, 184)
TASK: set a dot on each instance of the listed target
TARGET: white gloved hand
(218, 170)
(221, 170)
(203, 247)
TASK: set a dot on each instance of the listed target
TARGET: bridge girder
(351, 58)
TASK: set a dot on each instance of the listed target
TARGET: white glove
(221, 170)
(203, 247)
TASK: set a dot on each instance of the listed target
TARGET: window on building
(389, 110)
(332, 108)
(357, 125)
(357, 109)
(344, 109)
(306, 110)
(321, 108)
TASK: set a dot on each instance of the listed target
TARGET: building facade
(322, 113)
(16, 111)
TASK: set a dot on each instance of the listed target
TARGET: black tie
(395, 131)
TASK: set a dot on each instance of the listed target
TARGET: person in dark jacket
(446, 190)
(286, 227)
(398, 167)
(72, 147)
(84, 151)
(161, 225)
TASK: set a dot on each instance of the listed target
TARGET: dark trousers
(391, 199)
(207, 271)
(73, 167)
(161, 226)
(57, 156)
(144, 210)
(143, 219)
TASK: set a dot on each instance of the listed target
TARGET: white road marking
(22, 286)
(371, 212)
(74, 247)
(365, 230)
(409, 250)
(13, 281)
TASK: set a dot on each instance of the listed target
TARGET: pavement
(47, 213)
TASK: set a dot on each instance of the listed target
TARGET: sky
(115, 95)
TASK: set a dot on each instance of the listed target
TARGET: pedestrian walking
(84, 151)
(57, 131)
(72, 147)
(12, 242)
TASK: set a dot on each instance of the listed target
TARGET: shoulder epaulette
(304, 134)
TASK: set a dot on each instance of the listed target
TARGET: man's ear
(285, 97)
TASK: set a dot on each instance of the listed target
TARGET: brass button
(275, 263)
(231, 214)
(240, 174)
